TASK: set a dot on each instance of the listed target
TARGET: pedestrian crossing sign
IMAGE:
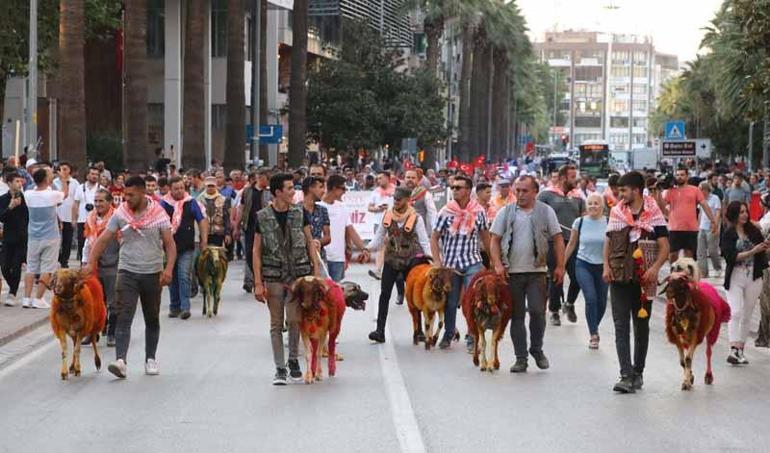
(675, 130)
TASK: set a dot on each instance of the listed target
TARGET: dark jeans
(594, 288)
(81, 240)
(248, 272)
(625, 308)
(108, 279)
(556, 292)
(528, 293)
(390, 277)
(14, 255)
(67, 234)
(131, 288)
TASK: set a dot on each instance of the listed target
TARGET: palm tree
(298, 85)
(136, 153)
(72, 81)
(193, 105)
(464, 91)
(235, 91)
(263, 110)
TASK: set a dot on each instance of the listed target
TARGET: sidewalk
(17, 321)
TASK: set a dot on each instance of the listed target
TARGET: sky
(676, 26)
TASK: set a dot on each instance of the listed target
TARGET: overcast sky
(675, 25)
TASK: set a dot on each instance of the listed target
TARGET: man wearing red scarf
(455, 243)
(184, 212)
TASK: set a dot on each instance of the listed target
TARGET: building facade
(611, 83)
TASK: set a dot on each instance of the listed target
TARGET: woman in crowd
(587, 239)
(743, 247)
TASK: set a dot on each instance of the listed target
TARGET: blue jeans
(589, 277)
(453, 301)
(181, 281)
(336, 270)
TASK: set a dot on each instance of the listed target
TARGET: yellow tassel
(642, 313)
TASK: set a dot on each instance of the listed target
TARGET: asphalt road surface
(214, 394)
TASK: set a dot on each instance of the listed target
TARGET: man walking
(184, 212)
(455, 243)
(518, 250)
(341, 229)
(380, 201)
(283, 251)
(82, 204)
(15, 219)
(421, 199)
(69, 186)
(313, 189)
(253, 199)
(567, 209)
(708, 240)
(146, 234)
(635, 217)
(44, 240)
(217, 210)
(681, 202)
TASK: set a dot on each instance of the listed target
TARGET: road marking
(26, 358)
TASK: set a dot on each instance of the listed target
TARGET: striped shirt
(459, 251)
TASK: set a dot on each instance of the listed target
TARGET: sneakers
(742, 360)
(400, 299)
(118, 368)
(280, 377)
(294, 371)
(520, 366)
(151, 367)
(11, 301)
(638, 381)
(377, 337)
(39, 303)
(247, 287)
(625, 385)
(569, 310)
(185, 315)
(445, 343)
(174, 313)
(540, 360)
(375, 275)
(555, 320)
(469, 344)
(110, 341)
(736, 357)
(26, 302)
(593, 343)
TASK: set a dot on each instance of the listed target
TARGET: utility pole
(32, 82)
(751, 145)
(256, 22)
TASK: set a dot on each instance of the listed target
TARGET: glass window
(588, 121)
(640, 122)
(589, 73)
(218, 28)
(156, 30)
(619, 121)
(640, 105)
(218, 116)
(155, 123)
(619, 106)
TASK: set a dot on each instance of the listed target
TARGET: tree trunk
(499, 96)
(765, 138)
(235, 136)
(464, 92)
(264, 154)
(193, 105)
(2, 109)
(479, 96)
(433, 31)
(72, 111)
(297, 87)
(137, 155)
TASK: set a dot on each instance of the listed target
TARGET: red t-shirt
(117, 195)
(682, 207)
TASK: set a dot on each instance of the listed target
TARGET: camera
(89, 207)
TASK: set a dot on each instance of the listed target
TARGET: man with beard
(253, 198)
(421, 199)
(636, 217)
(567, 210)
(681, 202)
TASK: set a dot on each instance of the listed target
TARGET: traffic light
(421, 155)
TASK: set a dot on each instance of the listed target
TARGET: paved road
(214, 395)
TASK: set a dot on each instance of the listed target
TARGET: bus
(595, 158)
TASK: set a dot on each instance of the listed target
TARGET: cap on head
(210, 181)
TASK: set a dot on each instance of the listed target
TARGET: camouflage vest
(401, 244)
(284, 253)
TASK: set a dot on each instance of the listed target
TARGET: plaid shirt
(459, 251)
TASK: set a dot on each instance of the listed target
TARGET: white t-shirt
(714, 204)
(4, 189)
(65, 209)
(339, 219)
(378, 200)
(85, 195)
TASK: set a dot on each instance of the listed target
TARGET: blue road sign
(269, 134)
(675, 130)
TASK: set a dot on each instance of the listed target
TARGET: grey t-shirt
(742, 194)
(567, 209)
(140, 253)
(521, 254)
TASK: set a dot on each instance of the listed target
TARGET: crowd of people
(140, 232)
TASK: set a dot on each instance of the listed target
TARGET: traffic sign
(675, 130)
(269, 134)
(678, 148)
(703, 147)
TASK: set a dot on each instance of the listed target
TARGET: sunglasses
(458, 187)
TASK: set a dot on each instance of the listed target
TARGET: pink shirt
(682, 204)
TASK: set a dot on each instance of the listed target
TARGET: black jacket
(14, 221)
(730, 252)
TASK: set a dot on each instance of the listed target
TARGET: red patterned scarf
(464, 219)
(178, 205)
(95, 225)
(650, 217)
(385, 192)
(153, 216)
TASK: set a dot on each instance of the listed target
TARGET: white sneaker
(26, 302)
(151, 367)
(118, 368)
(10, 301)
(40, 303)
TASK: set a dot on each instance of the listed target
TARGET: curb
(23, 331)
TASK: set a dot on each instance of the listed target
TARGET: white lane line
(26, 359)
(407, 429)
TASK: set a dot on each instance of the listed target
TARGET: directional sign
(703, 149)
(678, 148)
(269, 134)
(675, 130)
